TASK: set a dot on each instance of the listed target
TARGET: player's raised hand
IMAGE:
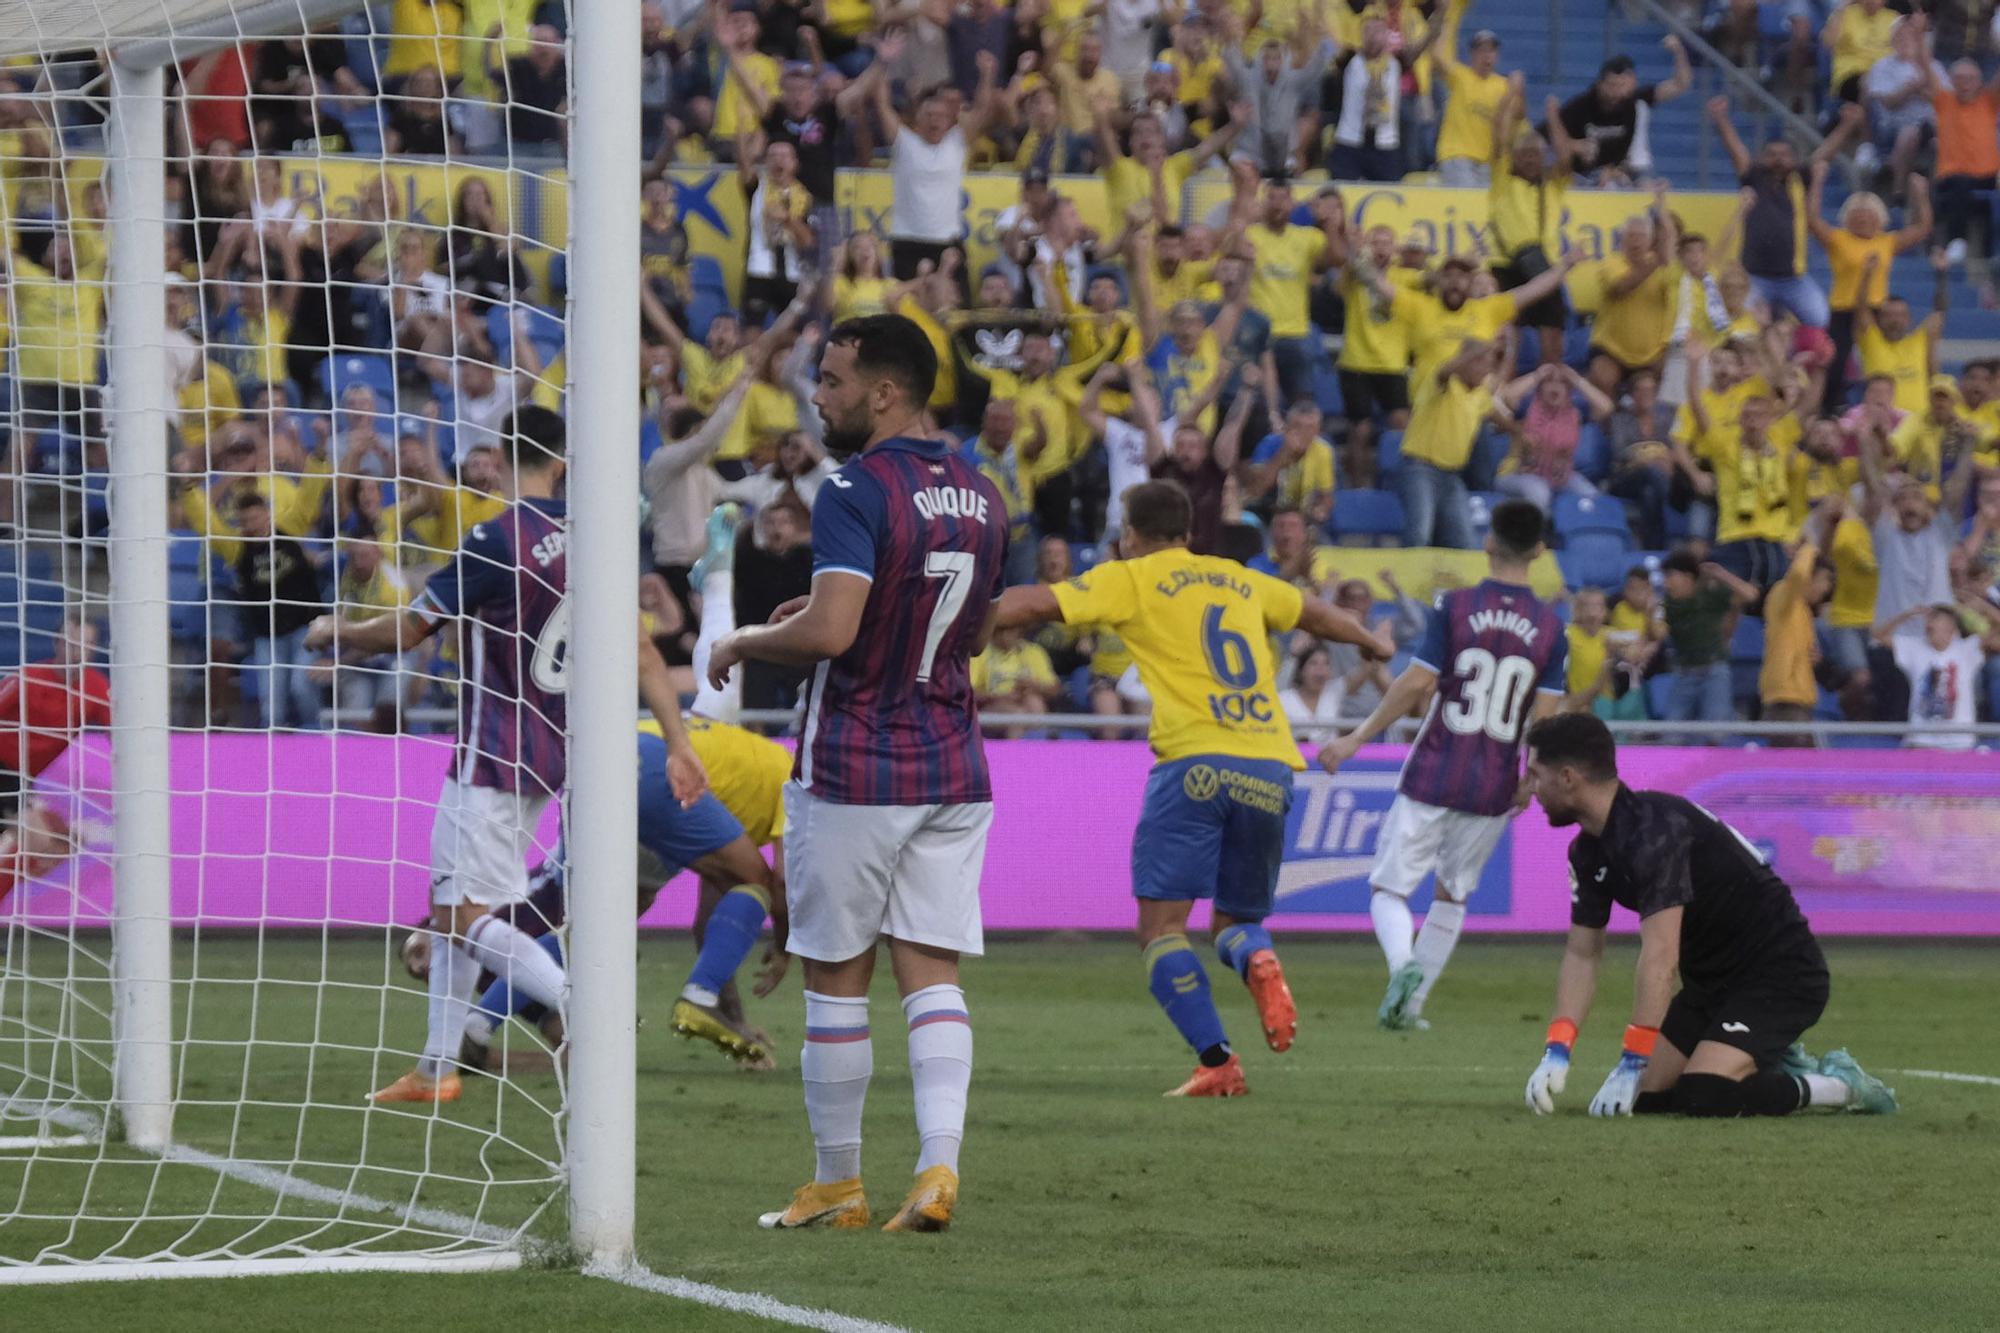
(1551, 1076)
(1621, 1086)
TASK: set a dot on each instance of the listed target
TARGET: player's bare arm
(1029, 604)
(656, 688)
(370, 636)
(1323, 620)
(1404, 695)
(824, 627)
(1652, 990)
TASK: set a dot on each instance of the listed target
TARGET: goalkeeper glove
(1551, 1076)
(1621, 1086)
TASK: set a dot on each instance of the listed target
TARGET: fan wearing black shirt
(1752, 975)
(804, 116)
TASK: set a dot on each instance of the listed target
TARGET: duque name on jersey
(934, 502)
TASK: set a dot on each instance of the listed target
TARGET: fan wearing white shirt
(1944, 668)
(419, 297)
(927, 167)
(1312, 701)
(1130, 448)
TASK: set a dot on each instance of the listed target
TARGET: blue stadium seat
(545, 331)
(336, 373)
(1388, 455)
(1326, 390)
(1593, 452)
(1579, 514)
(705, 275)
(1595, 559)
(702, 310)
(1367, 518)
(1083, 556)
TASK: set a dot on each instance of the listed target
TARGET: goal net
(278, 278)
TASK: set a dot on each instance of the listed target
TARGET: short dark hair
(1681, 562)
(1576, 740)
(1159, 511)
(892, 347)
(535, 439)
(1616, 65)
(251, 500)
(1518, 528)
(1639, 572)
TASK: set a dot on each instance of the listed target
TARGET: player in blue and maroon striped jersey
(507, 590)
(1495, 654)
(889, 805)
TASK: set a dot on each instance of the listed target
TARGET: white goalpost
(259, 341)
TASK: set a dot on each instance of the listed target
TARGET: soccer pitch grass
(1392, 1178)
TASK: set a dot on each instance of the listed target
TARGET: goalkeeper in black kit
(1753, 978)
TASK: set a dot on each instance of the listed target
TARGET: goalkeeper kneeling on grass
(1753, 978)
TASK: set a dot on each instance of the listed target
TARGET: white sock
(1435, 942)
(940, 1071)
(1824, 1090)
(479, 1026)
(700, 995)
(1394, 927)
(836, 1064)
(718, 617)
(513, 954)
(453, 975)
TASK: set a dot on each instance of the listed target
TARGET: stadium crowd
(1767, 499)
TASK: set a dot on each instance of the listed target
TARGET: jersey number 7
(955, 568)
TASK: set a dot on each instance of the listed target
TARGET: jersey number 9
(1492, 695)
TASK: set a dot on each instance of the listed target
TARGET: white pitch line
(739, 1302)
(1946, 1075)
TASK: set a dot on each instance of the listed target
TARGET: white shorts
(854, 873)
(479, 845)
(1417, 839)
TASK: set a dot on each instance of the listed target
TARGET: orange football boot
(415, 1086)
(1266, 978)
(1223, 1080)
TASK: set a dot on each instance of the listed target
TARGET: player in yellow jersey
(1213, 826)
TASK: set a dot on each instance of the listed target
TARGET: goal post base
(472, 1261)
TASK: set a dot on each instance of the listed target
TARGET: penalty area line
(755, 1304)
(1948, 1076)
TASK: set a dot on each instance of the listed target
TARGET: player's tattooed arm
(684, 771)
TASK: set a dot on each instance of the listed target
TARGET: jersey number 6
(1229, 657)
(1492, 695)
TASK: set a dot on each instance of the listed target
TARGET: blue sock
(733, 929)
(1236, 945)
(1178, 982)
(501, 1001)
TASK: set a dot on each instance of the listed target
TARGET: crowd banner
(300, 829)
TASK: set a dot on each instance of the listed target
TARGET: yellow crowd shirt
(424, 32)
(1787, 673)
(1281, 275)
(1634, 329)
(1525, 213)
(1467, 131)
(1435, 333)
(1200, 629)
(1444, 421)
(1854, 576)
(1126, 182)
(1186, 377)
(1847, 254)
(1753, 490)
(1372, 345)
(1001, 671)
(1907, 360)
(56, 323)
(734, 114)
(1862, 39)
(1586, 658)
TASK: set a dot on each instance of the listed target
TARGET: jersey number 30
(1492, 696)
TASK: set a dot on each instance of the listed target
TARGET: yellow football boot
(930, 1202)
(838, 1203)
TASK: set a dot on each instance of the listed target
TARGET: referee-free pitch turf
(1370, 1179)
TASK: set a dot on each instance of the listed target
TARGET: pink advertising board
(295, 830)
